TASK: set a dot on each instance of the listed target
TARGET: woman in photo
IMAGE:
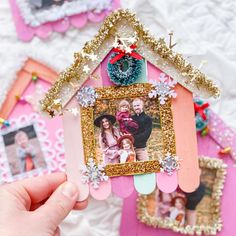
(25, 151)
(108, 138)
(126, 152)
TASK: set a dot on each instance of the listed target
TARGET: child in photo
(177, 211)
(126, 152)
(25, 151)
(126, 124)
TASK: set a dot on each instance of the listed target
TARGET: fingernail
(69, 189)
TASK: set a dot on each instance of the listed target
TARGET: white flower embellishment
(163, 88)
(169, 164)
(93, 173)
(87, 96)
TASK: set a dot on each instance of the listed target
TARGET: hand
(37, 206)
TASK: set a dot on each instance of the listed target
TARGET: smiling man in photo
(144, 131)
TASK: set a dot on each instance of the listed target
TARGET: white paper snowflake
(163, 88)
(93, 173)
(169, 164)
(86, 96)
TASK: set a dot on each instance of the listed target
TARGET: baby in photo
(25, 151)
(126, 123)
(126, 152)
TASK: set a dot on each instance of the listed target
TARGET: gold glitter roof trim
(190, 77)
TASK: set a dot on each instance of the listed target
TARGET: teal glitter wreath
(124, 71)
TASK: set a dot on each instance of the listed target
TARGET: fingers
(58, 206)
(31, 191)
(80, 205)
(57, 232)
(40, 188)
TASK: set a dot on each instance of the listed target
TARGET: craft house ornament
(30, 143)
(39, 18)
(141, 127)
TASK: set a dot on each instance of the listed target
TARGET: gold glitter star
(74, 111)
(86, 69)
(52, 113)
(132, 40)
(93, 57)
(128, 50)
(57, 101)
(115, 44)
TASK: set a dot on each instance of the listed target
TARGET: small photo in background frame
(188, 213)
(23, 150)
(45, 4)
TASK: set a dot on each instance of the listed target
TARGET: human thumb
(59, 205)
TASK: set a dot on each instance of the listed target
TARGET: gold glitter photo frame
(162, 135)
(153, 211)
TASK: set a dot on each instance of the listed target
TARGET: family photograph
(123, 134)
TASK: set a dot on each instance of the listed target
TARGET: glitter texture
(124, 24)
(204, 162)
(132, 91)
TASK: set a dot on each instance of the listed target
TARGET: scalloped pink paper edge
(26, 33)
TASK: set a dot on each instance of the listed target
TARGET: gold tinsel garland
(74, 72)
(157, 222)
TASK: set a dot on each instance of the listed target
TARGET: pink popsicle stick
(122, 186)
(167, 183)
(186, 140)
(102, 192)
(74, 149)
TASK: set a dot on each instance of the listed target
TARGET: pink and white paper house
(161, 81)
